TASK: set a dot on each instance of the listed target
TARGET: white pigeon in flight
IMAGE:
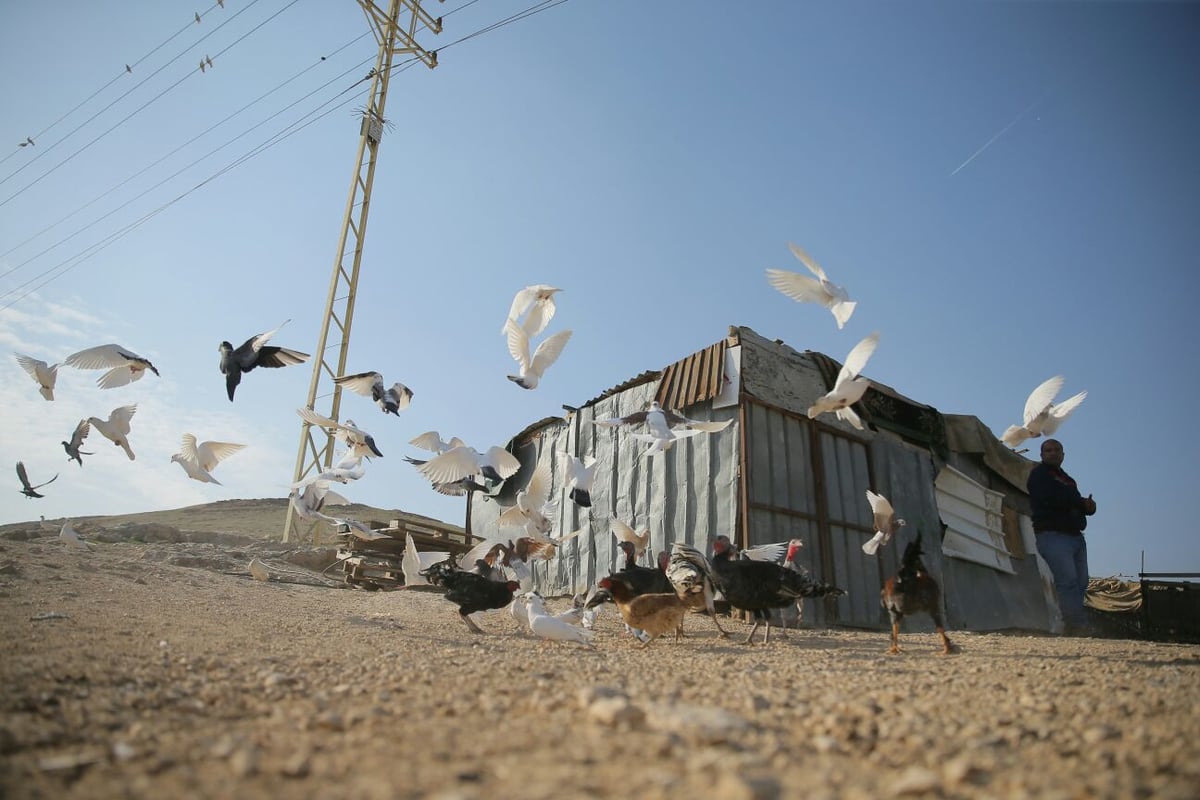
(664, 427)
(580, 474)
(460, 462)
(199, 460)
(1042, 415)
(414, 561)
(625, 533)
(533, 508)
(532, 369)
(813, 290)
(116, 427)
(349, 467)
(45, 374)
(538, 300)
(849, 388)
(392, 400)
(433, 442)
(124, 366)
(309, 501)
(885, 521)
(359, 441)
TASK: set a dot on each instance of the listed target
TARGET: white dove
(45, 374)
(849, 387)
(574, 615)
(553, 628)
(625, 533)
(370, 384)
(433, 442)
(532, 369)
(886, 523)
(359, 441)
(813, 290)
(124, 366)
(199, 460)
(309, 501)
(538, 300)
(415, 561)
(70, 537)
(533, 507)
(349, 467)
(1042, 415)
(580, 473)
(461, 462)
(116, 427)
(665, 427)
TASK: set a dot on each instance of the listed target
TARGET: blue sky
(1007, 189)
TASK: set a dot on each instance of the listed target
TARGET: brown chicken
(913, 591)
(655, 614)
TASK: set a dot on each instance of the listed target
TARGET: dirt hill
(260, 518)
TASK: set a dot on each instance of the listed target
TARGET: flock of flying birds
(455, 468)
(123, 367)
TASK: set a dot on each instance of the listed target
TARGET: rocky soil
(160, 668)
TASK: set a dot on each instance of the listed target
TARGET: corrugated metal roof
(645, 377)
(693, 379)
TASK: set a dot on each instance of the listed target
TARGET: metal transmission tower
(395, 31)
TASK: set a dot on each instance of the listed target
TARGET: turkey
(694, 580)
(758, 586)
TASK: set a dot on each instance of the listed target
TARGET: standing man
(1059, 517)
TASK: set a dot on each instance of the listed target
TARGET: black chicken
(758, 586)
(913, 591)
(470, 592)
(638, 579)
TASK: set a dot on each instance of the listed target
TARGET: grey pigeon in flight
(124, 366)
(72, 447)
(27, 489)
(370, 384)
(359, 441)
(254, 352)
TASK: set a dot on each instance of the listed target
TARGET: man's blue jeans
(1066, 555)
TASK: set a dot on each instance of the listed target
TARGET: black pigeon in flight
(254, 352)
(27, 489)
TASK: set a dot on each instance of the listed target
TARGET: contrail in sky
(1004, 130)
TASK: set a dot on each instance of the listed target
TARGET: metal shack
(774, 475)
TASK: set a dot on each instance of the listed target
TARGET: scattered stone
(916, 780)
(703, 724)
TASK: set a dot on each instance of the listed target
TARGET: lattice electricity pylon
(395, 30)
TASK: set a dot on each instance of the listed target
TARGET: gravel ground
(163, 670)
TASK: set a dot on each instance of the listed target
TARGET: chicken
(470, 592)
(913, 591)
(693, 579)
(655, 614)
(758, 586)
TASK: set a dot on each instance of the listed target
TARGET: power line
(290, 130)
(153, 164)
(139, 109)
(128, 70)
(70, 263)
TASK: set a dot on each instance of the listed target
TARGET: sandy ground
(162, 669)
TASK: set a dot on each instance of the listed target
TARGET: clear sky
(1009, 190)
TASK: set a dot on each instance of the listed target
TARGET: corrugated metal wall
(687, 494)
